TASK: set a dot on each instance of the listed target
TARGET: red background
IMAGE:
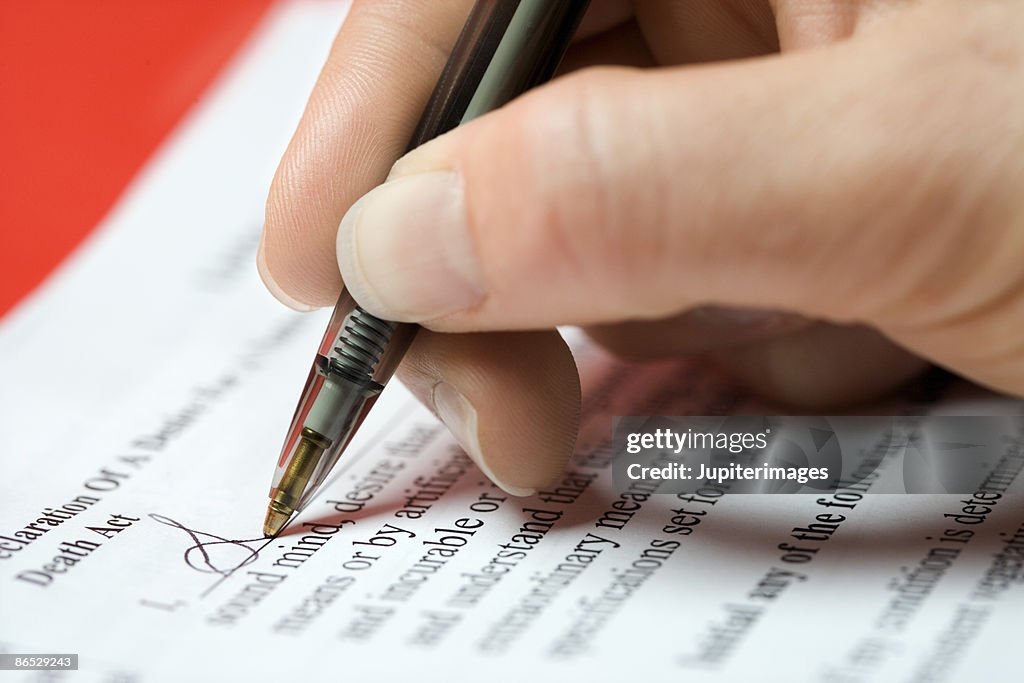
(89, 89)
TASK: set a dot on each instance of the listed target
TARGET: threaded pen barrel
(361, 343)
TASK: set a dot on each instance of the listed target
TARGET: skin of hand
(825, 195)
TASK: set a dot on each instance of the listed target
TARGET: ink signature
(218, 555)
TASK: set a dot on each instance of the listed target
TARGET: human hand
(824, 221)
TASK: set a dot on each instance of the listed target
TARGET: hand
(824, 221)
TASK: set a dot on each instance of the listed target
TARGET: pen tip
(275, 520)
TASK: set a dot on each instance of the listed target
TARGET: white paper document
(144, 393)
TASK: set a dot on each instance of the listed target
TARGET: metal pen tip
(277, 516)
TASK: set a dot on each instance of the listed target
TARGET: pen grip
(506, 47)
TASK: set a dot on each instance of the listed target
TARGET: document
(144, 393)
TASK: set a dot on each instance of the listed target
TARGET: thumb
(796, 182)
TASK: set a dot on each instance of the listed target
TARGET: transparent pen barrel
(358, 355)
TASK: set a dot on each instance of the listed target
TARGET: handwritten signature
(217, 555)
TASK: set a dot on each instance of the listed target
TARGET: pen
(506, 47)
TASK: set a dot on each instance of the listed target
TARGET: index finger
(378, 77)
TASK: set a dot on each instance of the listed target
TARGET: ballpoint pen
(506, 47)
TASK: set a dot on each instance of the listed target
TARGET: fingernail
(460, 417)
(273, 287)
(405, 251)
